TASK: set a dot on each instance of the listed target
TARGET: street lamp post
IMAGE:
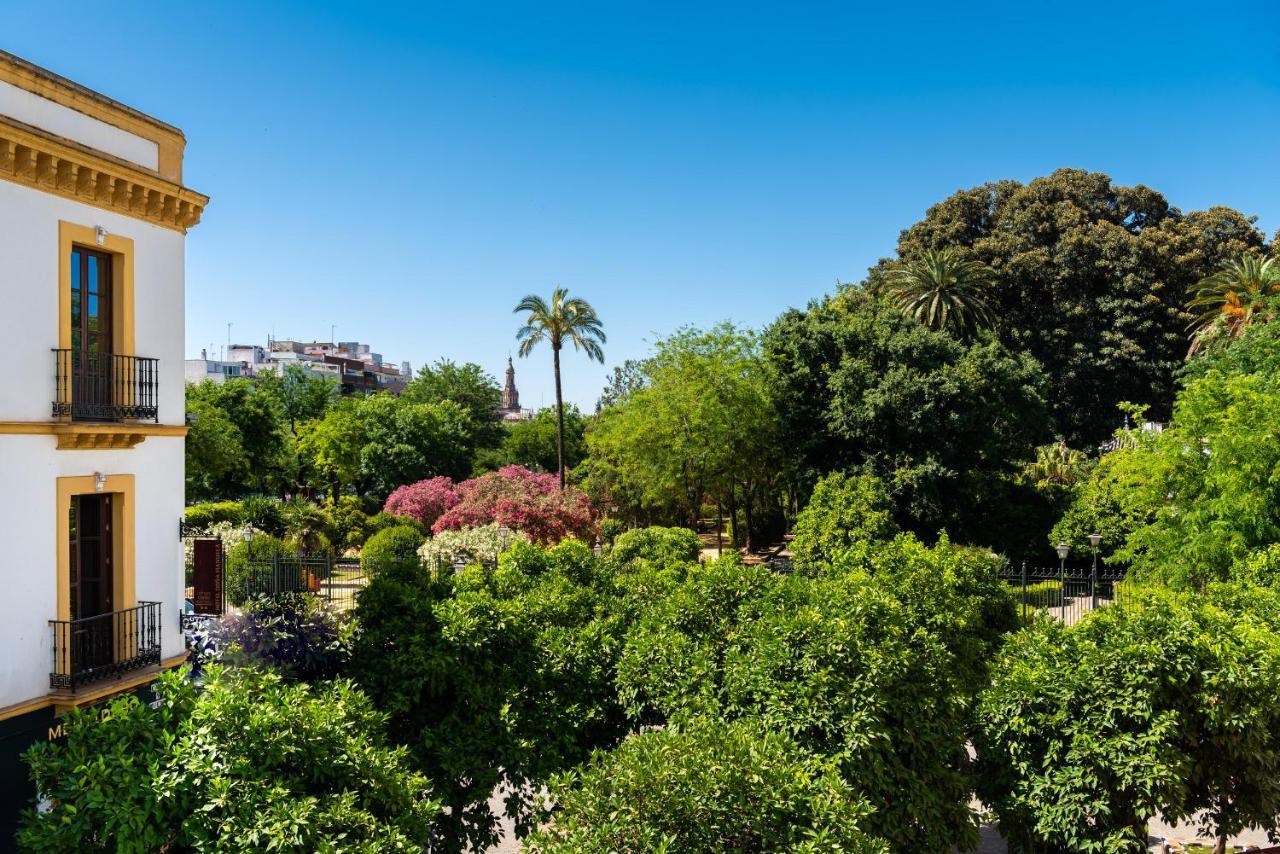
(1094, 540)
(1063, 550)
(597, 548)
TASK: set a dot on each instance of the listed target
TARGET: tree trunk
(719, 528)
(555, 355)
(1221, 847)
(746, 519)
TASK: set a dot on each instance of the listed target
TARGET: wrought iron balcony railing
(105, 387)
(108, 645)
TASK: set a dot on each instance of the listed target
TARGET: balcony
(105, 387)
(105, 646)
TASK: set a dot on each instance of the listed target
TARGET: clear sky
(408, 172)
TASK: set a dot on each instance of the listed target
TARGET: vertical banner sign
(207, 576)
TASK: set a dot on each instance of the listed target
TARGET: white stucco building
(93, 220)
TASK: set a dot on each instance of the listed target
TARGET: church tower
(510, 397)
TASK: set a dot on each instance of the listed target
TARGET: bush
(295, 633)
(202, 517)
(349, 522)
(845, 509)
(712, 787)
(424, 501)
(306, 525)
(520, 499)
(470, 545)
(848, 661)
(391, 546)
(248, 564)
(663, 546)
(264, 514)
(1164, 705)
(248, 761)
(495, 677)
(610, 529)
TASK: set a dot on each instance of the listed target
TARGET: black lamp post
(1094, 540)
(1063, 550)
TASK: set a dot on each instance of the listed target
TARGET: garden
(1062, 362)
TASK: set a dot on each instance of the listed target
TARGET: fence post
(275, 570)
(1024, 589)
(328, 576)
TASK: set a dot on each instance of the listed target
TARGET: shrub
(470, 545)
(610, 529)
(391, 546)
(875, 666)
(845, 509)
(1164, 705)
(249, 760)
(714, 786)
(520, 499)
(248, 562)
(264, 514)
(663, 546)
(296, 633)
(202, 517)
(349, 522)
(494, 677)
(424, 501)
(306, 525)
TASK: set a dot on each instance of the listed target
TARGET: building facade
(93, 218)
(354, 366)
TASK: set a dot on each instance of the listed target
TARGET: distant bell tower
(510, 397)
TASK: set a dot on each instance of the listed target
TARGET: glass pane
(93, 307)
(93, 274)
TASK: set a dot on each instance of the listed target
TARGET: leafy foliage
(466, 385)
(1239, 293)
(943, 290)
(494, 677)
(947, 425)
(246, 560)
(660, 546)
(845, 509)
(532, 443)
(710, 787)
(1166, 705)
(297, 634)
(391, 546)
(247, 761)
(873, 666)
(1089, 279)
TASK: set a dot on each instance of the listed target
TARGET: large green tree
(702, 424)
(1090, 278)
(259, 418)
(946, 424)
(534, 443)
(467, 385)
(943, 290)
(565, 320)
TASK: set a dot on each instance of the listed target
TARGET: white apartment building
(93, 221)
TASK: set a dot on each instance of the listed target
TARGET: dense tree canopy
(1091, 279)
(945, 423)
(532, 443)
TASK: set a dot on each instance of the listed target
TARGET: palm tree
(1232, 298)
(943, 290)
(565, 319)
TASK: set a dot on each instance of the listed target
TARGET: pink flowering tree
(424, 501)
(524, 501)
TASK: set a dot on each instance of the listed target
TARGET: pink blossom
(522, 500)
(424, 501)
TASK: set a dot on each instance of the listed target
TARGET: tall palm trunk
(555, 355)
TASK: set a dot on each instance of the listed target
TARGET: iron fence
(1067, 593)
(336, 579)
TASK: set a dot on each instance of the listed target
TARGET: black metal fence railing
(335, 579)
(94, 648)
(105, 387)
(1067, 593)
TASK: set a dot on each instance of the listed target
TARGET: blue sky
(408, 172)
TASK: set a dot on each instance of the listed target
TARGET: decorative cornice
(46, 162)
(79, 436)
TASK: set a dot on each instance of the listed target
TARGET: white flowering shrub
(471, 545)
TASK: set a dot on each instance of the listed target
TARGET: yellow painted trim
(168, 139)
(123, 592)
(24, 708)
(77, 428)
(120, 249)
(64, 702)
(46, 162)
